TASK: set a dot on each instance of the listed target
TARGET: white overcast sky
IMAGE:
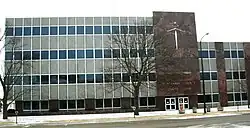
(225, 20)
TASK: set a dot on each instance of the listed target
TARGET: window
(149, 29)
(63, 104)
(99, 103)
(107, 102)
(53, 79)
(132, 30)
(45, 79)
(98, 53)
(106, 29)
(152, 77)
(151, 101)
(80, 103)
(44, 105)
(80, 53)
(35, 79)
(62, 54)
(35, 104)
(18, 80)
(53, 30)
(151, 53)
(116, 102)
(27, 31)
(242, 75)
(90, 78)
(71, 104)
(125, 77)
(235, 75)
(234, 54)
(125, 53)
(71, 54)
(8, 56)
(206, 76)
(62, 79)
(203, 54)
(212, 54)
(18, 55)
(62, 30)
(227, 54)
(237, 96)
(230, 97)
(229, 75)
(134, 77)
(108, 77)
(244, 96)
(215, 98)
(124, 29)
(133, 52)
(141, 29)
(71, 30)
(35, 55)
(26, 105)
(80, 29)
(27, 55)
(45, 31)
(81, 78)
(99, 78)
(53, 54)
(89, 29)
(115, 29)
(208, 98)
(107, 53)
(116, 53)
(72, 79)
(143, 101)
(26, 80)
(18, 31)
(98, 29)
(89, 53)
(241, 54)
(44, 55)
(117, 77)
(9, 31)
(142, 52)
(214, 75)
(36, 31)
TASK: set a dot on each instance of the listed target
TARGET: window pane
(149, 29)
(98, 53)
(53, 30)
(234, 54)
(62, 79)
(44, 104)
(9, 31)
(99, 103)
(80, 103)
(115, 29)
(18, 31)
(62, 30)
(151, 100)
(106, 29)
(44, 55)
(214, 75)
(142, 52)
(116, 102)
(53, 79)
(227, 54)
(26, 80)
(80, 53)
(242, 75)
(81, 78)
(27, 55)
(230, 97)
(125, 77)
(125, 53)
(108, 77)
(89, 29)
(141, 29)
(107, 103)
(27, 31)
(152, 77)
(132, 30)
(98, 29)
(215, 98)
(63, 104)
(35, 79)
(124, 29)
(8, 56)
(90, 78)
(116, 53)
(18, 55)
(235, 75)
(237, 96)
(35, 55)
(151, 52)
(241, 54)
(62, 54)
(36, 31)
(99, 78)
(18, 80)
(89, 53)
(71, 30)
(71, 104)
(117, 77)
(203, 54)
(229, 75)
(206, 76)
(212, 54)
(45, 31)
(27, 105)
(80, 29)
(45, 79)
(53, 54)
(107, 53)
(71, 54)
(143, 101)
(35, 104)
(72, 79)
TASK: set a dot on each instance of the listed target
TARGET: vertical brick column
(222, 81)
(247, 68)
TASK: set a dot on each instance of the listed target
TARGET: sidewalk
(121, 117)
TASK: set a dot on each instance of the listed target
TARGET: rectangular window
(241, 54)
(53, 30)
(117, 77)
(214, 75)
(18, 31)
(108, 77)
(125, 53)
(54, 79)
(62, 54)
(141, 29)
(35, 105)
(44, 55)
(27, 55)
(242, 75)
(8, 56)
(151, 52)
(235, 75)
(89, 53)
(133, 52)
(9, 31)
(152, 77)
(98, 54)
(116, 53)
(18, 80)
(234, 54)
(63, 104)
(215, 98)
(149, 29)
(142, 52)
(26, 80)
(116, 102)
(53, 55)
(143, 101)
(106, 29)
(71, 104)
(71, 54)
(90, 78)
(35, 55)
(230, 97)
(27, 105)
(227, 54)
(44, 105)
(45, 31)
(89, 29)
(124, 29)
(206, 76)
(71, 30)
(36, 31)
(203, 54)
(115, 29)
(132, 30)
(72, 79)
(237, 96)
(18, 55)
(81, 78)
(80, 103)
(80, 29)
(107, 102)
(98, 29)
(125, 77)
(99, 103)
(107, 53)
(99, 78)
(151, 101)
(80, 53)
(35, 79)
(229, 75)
(212, 54)
(27, 31)
(63, 79)
(45, 79)
(62, 30)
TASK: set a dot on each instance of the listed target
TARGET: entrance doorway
(170, 103)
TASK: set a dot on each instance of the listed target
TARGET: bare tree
(12, 72)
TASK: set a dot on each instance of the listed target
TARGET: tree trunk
(5, 108)
(136, 100)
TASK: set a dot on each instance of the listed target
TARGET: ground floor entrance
(174, 103)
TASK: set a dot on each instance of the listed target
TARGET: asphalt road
(177, 123)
